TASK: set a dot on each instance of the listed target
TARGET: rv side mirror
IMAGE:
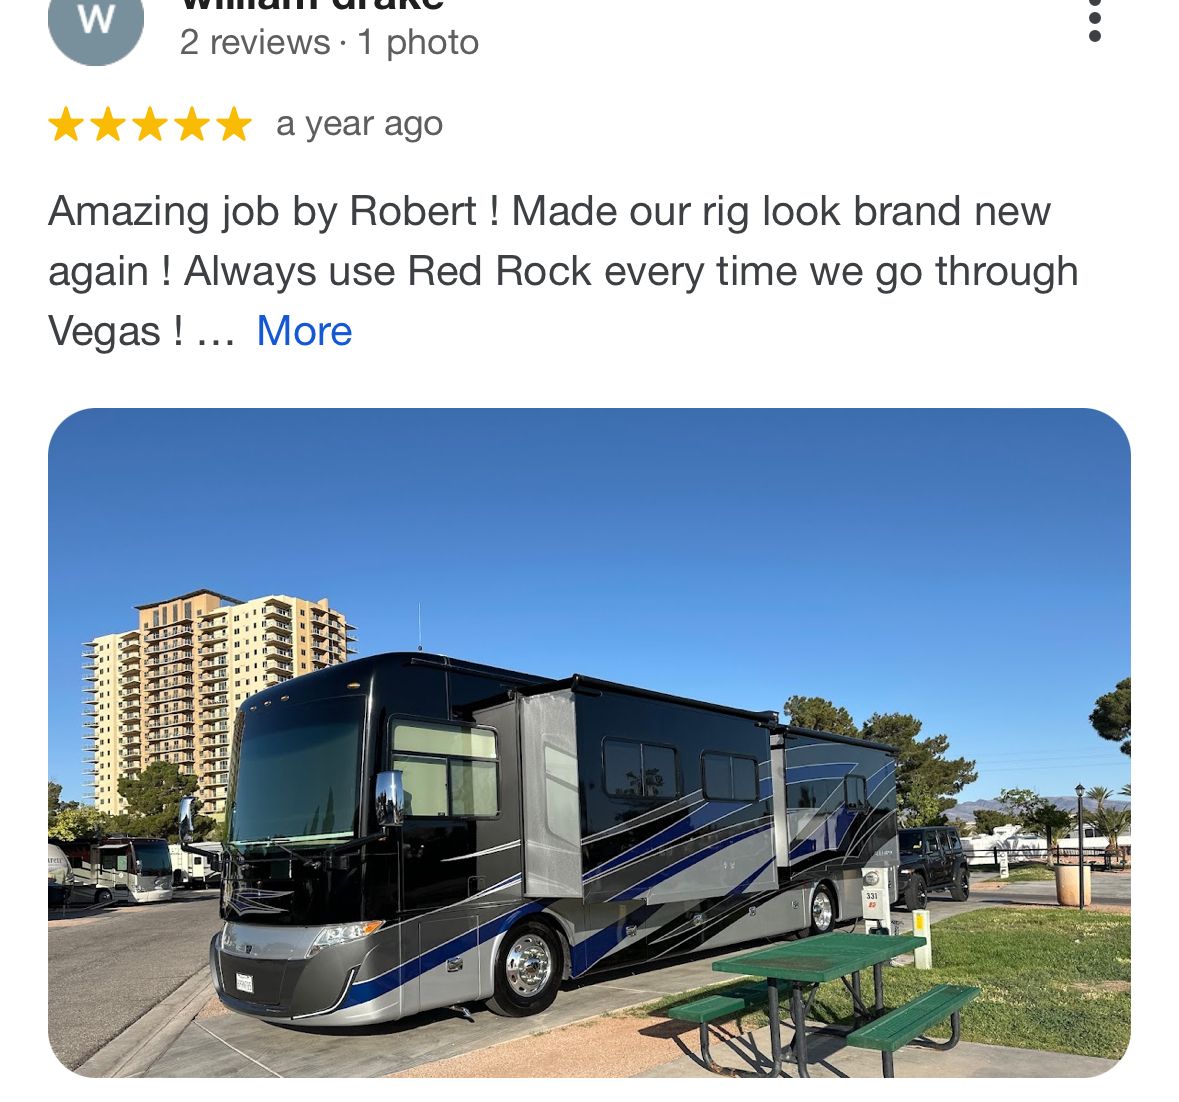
(390, 799)
(186, 824)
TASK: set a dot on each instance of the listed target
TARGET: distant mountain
(1065, 803)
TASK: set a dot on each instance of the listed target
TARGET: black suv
(931, 860)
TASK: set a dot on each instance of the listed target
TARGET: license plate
(245, 983)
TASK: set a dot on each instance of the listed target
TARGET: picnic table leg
(878, 985)
(798, 1015)
(772, 1003)
(857, 997)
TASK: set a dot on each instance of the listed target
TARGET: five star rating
(150, 125)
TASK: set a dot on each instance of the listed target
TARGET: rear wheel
(527, 971)
(822, 910)
(916, 894)
(960, 892)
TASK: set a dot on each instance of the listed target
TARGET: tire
(960, 891)
(916, 893)
(103, 897)
(528, 971)
(822, 910)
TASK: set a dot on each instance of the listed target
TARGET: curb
(145, 1040)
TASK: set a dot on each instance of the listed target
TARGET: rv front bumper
(272, 978)
(157, 895)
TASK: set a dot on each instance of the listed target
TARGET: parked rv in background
(1023, 848)
(409, 832)
(119, 870)
(60, 877)
(199, 866)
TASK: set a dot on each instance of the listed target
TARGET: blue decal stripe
(367, 990)
(686, 862)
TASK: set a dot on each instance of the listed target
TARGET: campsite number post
(1004, 869)
(874, 898)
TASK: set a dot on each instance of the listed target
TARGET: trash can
(1067, 884)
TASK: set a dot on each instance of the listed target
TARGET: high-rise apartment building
(168, 689)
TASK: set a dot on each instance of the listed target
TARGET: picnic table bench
(907, 1024)
(720, 1007)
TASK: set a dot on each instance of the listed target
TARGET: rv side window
(856, 793)
(728, 777)
(808, 794)
(448, 772)
(640, 770)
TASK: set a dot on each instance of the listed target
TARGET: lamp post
(1080, 847)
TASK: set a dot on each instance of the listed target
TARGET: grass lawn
(1020, 874)
(1055, 980)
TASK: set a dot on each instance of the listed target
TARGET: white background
(653, 100)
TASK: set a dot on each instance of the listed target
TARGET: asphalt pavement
(109, 966)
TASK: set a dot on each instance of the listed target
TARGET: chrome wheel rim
(529, 965)
(821, 912)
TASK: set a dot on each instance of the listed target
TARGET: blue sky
(968, 567)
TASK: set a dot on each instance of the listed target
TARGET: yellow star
(108, 126)
(235, 126)
(67, 125)
(191, 125)
(149, 126)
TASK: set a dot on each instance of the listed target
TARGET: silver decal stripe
(482, 852)
(336, 1004)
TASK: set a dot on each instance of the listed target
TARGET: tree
(927, 781)
(1111, 716)
(820, 715)
(54, 797)
(986, 821)
(1099, 794)
(79, 821)
(1037, 813)
(153, 803)
(1124, 791)
(1113, 822)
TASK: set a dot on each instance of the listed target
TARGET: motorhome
(119, 870)
(197, 866)
(61, 876)
(408, 832)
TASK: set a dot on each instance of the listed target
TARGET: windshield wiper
(310, 862)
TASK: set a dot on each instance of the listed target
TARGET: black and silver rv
(408, 832)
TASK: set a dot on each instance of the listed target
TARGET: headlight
(339, 935)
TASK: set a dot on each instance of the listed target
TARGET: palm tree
(1113, 822)
(1099, 794)
(1125, 791)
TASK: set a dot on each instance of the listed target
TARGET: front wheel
(102, 897)
(527, 971)
(960, 892)
(916, 895)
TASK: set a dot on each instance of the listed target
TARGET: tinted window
(815, 793)
(729, 777)
(640, 770)
(447, 771)
(624, 768)
(297, 776)
(659, 772)
(856, 793)
(910, 841)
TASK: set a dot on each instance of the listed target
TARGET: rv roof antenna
(419, 626)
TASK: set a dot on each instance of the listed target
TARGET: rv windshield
(153, 858)
(297, 772)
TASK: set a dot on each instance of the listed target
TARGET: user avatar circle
(96, 32)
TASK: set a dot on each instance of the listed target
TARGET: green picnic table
(807, 963)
